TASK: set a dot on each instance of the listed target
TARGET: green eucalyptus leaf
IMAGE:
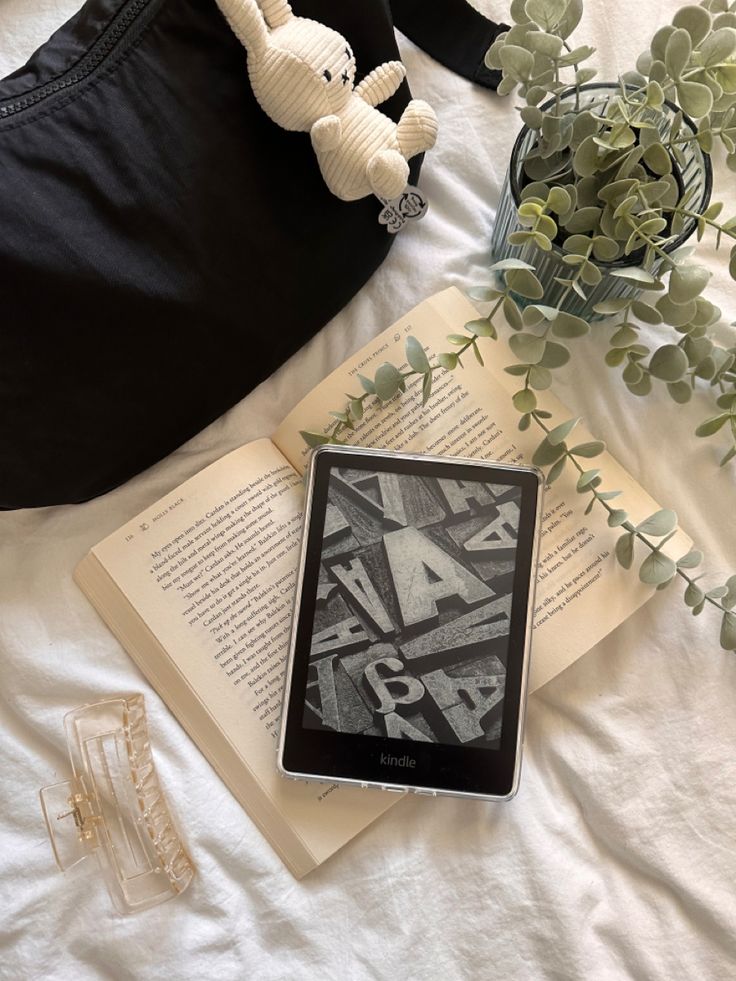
(711, 426)
(524, 400)
(527, 347)
(570, 19)
(546, 13)
(576, 56)
(483, 294)
(585, 75)
(677, 52)
(646, 312)
(503, 264)
(719, 47)
(693, 594)
(658, 43)
(690, 560)
(546, 226)
(724, 19)
(313, 439)
(539, 377)
(633, 274)
(545, 44)
(585, 160)
(680, 392)
(625, 550)
(568, 325)
(556, 470)
(654, 95)
(517, 62)
(416, 356)
(518, 12)
(525, 283)
(695, 20)
(559, 200)
(624, 337)
(545, 454)
(356, 409)
(660, 523)
(718, 593)
(617, 518)
(578, 245)
(669, 363)
(426, 387)
(657, 159)
(641, 388)
(728, 632)
(605, 249)
(590, 273)
(388, 381)
(612, 305)
(448, 360)
(586, 478)
(729, 600)
(560, 433)
(584, 220)
(588, 450)
(532, 115)
(676, 314)
(695, 98)
(687, 282)
(481, 327)
(532, 315)
(555, 355)
(512, 314)
(517, 369)
(656, 569)
(706, 368)
(367, 384)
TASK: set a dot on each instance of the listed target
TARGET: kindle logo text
(397, 760)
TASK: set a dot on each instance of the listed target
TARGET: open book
(198, 588)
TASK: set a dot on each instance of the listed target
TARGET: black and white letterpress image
(411, 625)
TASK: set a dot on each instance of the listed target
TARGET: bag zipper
(88, 64)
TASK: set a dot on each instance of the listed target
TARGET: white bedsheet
(618, 857)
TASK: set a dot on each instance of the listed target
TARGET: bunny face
(305, 72)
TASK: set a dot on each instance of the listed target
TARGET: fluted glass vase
(693, 174)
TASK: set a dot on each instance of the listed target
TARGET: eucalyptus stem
(626, 525)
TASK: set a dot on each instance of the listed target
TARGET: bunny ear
(276, 12)
(246, 20)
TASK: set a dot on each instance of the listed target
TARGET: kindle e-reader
(410, 642)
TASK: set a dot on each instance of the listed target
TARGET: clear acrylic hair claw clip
(113, 807)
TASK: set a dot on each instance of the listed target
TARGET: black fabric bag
(152, 218)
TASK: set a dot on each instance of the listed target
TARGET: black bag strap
(453, 33)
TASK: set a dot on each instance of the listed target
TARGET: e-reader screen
(411, 625)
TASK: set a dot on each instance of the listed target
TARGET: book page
(582, 592)
(211, 571)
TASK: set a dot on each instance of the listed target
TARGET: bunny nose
(345, 77)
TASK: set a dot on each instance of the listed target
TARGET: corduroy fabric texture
(303, 74)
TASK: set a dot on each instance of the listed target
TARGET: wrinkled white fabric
(618, 857)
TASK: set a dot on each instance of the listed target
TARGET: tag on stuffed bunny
(410, 205)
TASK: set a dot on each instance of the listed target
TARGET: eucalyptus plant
(602, 185)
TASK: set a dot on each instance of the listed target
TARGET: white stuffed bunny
(302, 74)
